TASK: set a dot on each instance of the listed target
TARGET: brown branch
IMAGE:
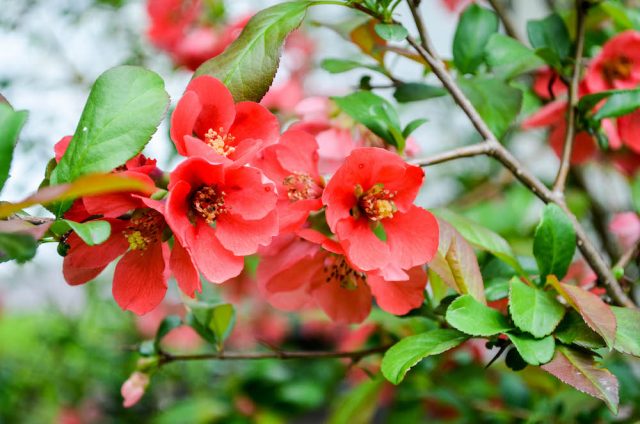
(509, 27)
(355, 355)
(565, 162)
(482, 148)
(628, 256)
(35, 220)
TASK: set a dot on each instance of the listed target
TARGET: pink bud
(133, 389)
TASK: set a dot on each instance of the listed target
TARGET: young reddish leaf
(456, 263)
(627, 330)
(84, 186)
(580, 371)
(365, 37)
(597, 314)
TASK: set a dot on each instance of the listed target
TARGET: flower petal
(362, 247)
(216, 263)
(184, 270)
(184, 118)
(347, 306)
(243, 237)
(218, 110)
(246, 195)
(254, 121)
(412, 237)
(399, 297)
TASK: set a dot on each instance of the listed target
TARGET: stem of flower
(509, 27)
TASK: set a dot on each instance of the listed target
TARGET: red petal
(243, 237)
(216, 263)
(412, 237)
(61, 147)
(183, 119)
(298, 152)
(111, 205)
(290, 289)
(177, 209)
(348, 306)
(549, 114)
(197, 172)
(76, 276)
(399, 297)
(254, 121)
(218, 110)
(362, 247)
(246, 195)
(198, 148)
(292, 215)
(184, 270)
(629, 128)
(83, 256)
(139, 284)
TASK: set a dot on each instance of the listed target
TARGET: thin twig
(35, 220)
(355, 356)
(628, 256)
(482, 148)
(565, 162)
(509, 27)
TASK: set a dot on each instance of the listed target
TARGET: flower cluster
(617, 66)
(333, 240)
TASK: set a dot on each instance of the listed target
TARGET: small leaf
(169, 323)
(358, 405)
(412, 126)
(88, 185)
(123, 111)
(337, 66)
(627, 330)
(370, 43)
(11, 123)
(416, 91)
(405, 354)
(589, 101)
(533, 351)
(391, 32)
(17, 246)
(573, 330)
(497, 102)
(475, 27)
(621, 103)
(472, 317)
(635, 192)
(91, 232)
(534, 310)
(375, 113)
(456, 263)
(247, 67)
(551, 37)
(554, 243)
(212, 321)
(580, 371)
(597, 314)
(509, 58)
(482, 238)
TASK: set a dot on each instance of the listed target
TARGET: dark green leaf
(534, 310)
(472, 317)
(580, 371)
(391, 32)
(589, 101)
(619, 104)
(375, 113)
(509, 58)
(91, 232)
(573, 330)
(124, 109)
(17, 246)
(358, 405)
(416, 91)
(412, 126)
(627, 330)
(497, 102)
(168, 323)
(11, 123)
(475, 27)
(409, 351)
(247, 67)
(533, 351)
(554, 243)
(551, 37)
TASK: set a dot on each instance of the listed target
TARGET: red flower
(618, 64)
(292, 164)
(547, 84)
(303, 274)
(374, 191)
(140, 279)
(206, 123)
(629, 131)
(220, 214)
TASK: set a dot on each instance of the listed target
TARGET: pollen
(145, 228)
(301, 186)
(208, 202)
(337, 269)
(618, 68)
(220, 142)
(376, 203)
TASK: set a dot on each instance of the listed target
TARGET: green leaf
(509, 58)
(375, 113)
(475, 27)
(91, 232)
(17, 246)
(405, 354)
(337, 66)
(11, 123)
(554, 242)
(358, 405)
(212, 321)
(169, 323)
(627, 330)
(551, 38)
(497, 102)
(621, 103)
(635, 192)
(417, 91)
(533, 351)
(580, 371)
(589, 101)
(534, 310)
(412, 126)
(573, 330)
(482, 238)
(247, 67)
(391, 32)
(123, 111)
(472, 317)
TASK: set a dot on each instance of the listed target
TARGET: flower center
(337, 269)
(376, 203)
(145, 228)
(618, 68)
(301, 186)
(219, 142)
(208, 202)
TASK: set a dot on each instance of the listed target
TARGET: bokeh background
(65, 351)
